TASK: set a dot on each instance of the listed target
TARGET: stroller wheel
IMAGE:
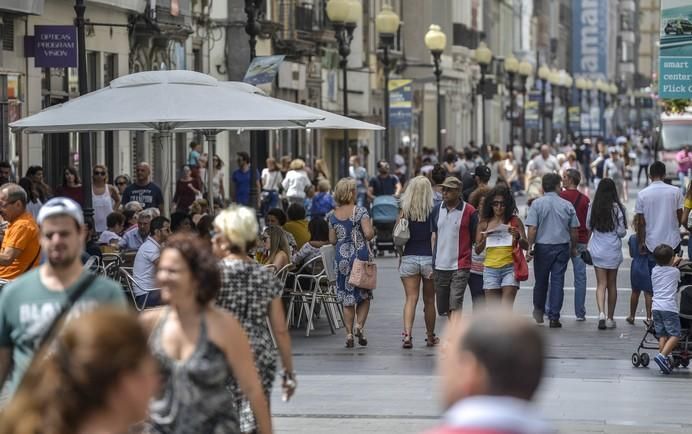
(644, 359)
(635, 360)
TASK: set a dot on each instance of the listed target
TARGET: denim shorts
(666, 323)
(496, 278)
(412, 265)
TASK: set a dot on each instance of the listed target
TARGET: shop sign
(675, 50)
(55, 46)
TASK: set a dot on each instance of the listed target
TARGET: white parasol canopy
(328, 121)
(167, 101)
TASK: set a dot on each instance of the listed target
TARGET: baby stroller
(384, 212)
(681, 354)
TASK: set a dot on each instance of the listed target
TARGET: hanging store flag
(531, 118)
(263, 70)
(400, 103)
(675, 50)
(55, 46)
(590, 42)
(574, 117)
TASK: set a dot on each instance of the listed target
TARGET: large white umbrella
(166, 101)
(327, 121)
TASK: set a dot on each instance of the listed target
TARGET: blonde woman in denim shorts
(499, 209)
(415, 265)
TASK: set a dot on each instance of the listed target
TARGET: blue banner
(590, 37)
(55, 46)
(675, 50)
(400, 104)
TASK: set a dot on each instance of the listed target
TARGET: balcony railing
(299, 17)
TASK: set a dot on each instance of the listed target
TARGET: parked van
(675, 133)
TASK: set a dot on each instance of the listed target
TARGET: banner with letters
(590, 42)
(675, 50)
(400, 103)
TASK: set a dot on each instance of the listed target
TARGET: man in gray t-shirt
(29, 304)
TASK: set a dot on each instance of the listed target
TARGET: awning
(128, 5)
(29, 7)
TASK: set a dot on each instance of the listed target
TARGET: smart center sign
(675, 50)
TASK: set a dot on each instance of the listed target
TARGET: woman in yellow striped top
(498, 232)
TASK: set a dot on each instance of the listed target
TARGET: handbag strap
(71, 300)
(353, 233)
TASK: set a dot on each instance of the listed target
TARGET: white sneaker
(610, 323)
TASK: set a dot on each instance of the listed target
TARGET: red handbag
(521, 267)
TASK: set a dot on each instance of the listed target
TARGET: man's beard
(64, 262)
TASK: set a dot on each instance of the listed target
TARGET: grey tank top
(193, 396)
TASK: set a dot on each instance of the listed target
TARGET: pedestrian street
(590, 384)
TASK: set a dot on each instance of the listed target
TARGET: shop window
(7, 32)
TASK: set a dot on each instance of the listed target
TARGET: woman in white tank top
(104, 197)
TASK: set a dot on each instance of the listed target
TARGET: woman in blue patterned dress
(350, 229)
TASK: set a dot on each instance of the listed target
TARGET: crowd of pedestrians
(217, 276)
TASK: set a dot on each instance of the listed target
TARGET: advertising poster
(574, 117)
(675, 50)
(263, 70)
(531, 117)
(400, 103)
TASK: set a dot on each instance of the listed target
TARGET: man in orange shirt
(20, 248)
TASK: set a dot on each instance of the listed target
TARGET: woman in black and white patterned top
(251, 292)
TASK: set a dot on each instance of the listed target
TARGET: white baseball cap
(61, 206)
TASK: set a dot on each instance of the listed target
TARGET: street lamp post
(436, 41)
(511, 68)
(483, 57)
(567, 82)
(525, 70)
(543, 75)
(581, 86)
(84, 138)
(588, 85)
(555, 83)
(258, 139)
(344, 15)
(387, 24)
(601, 87)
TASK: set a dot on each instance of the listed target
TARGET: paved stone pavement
(590, 385)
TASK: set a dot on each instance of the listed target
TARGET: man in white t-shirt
(144, 270)
(660, 205)
(540, 165)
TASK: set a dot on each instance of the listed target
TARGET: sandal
(432, 340)
(349, 341)
(407, 341)
(360, 334)
(629, 320)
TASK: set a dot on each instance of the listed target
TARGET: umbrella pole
(210, 135)
(168, 169)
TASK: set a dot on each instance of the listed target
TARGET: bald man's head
(545, 151)
(493, 352)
